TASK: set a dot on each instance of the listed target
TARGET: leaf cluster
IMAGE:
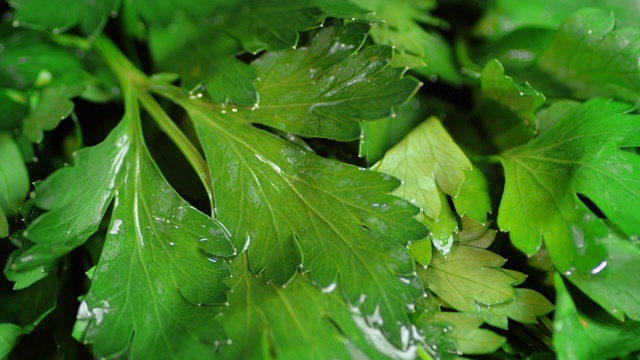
(319, 179)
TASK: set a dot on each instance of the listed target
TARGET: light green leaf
(475, 234)
(63, 15)
(14, 180)
(465, 330)
(287, 322)
(328, 88)
(431, 166)
(421, 251)
(588, 333)
(402, 26)
(473, 199)
(526, 307)
(578, 154)
(469, 278)
(338, 221)
(592, 59)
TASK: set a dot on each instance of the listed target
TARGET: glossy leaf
(74, 215)
(61, 16)
(430, 165)
(188, 48)
(286, 322)
(588, 333)
(158, 269)
(578, 154)
(327, 89)
(592, 59)
(338, 222)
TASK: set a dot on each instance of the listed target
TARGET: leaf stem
(133, 79)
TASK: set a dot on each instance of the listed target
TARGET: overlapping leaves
(431, 167)
(159, 262)
(578, 154)
(338, 222)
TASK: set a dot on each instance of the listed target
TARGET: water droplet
(596, 270)
(16, 23)
(55, 31)
(113, 14)
(589, 32)
(330, 288)
(115, 228)
(171, 243)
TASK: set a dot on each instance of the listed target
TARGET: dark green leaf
(14, 180)
(328, 88)
(60, 16)
(158, 265)
(338, 222)
(48, 107)
(286, 322)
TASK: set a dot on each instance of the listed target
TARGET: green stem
(132, 79)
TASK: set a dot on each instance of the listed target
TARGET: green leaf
(469, 279)
(48, 107)
(430, 165)
(465, 330)
(21, 311)
(507, 109)
(381, 135)
(525, 308)
(63, 15)
(589, 333)
(204, 60)
(267, 319)
(327, 89)
(158, 265)
(473, 199)
(14, 180)
(246, 25)
(522, 100)
(592, 59)
(402, 26)
(338, 222)
(9, 336)
(506, 16)
(578, 154)
(77, 198)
